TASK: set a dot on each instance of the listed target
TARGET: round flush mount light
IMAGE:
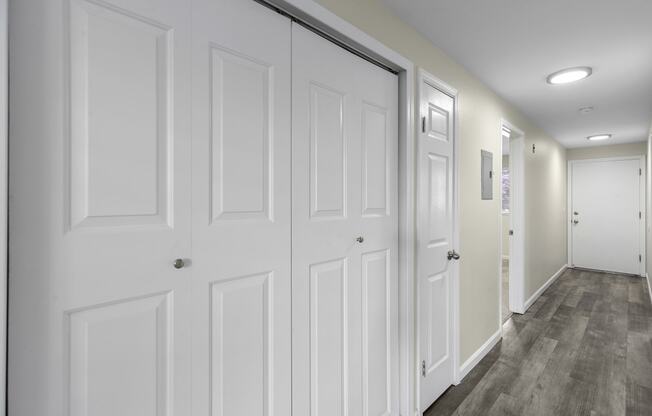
(569, 75)
(599, 137)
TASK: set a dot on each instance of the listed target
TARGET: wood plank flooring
(584, 348)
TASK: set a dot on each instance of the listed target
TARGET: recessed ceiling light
(586, 110)
(599, 137)
(568, 75)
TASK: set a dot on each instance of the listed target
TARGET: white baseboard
(475, 358)
(543, 288)
(649, 287)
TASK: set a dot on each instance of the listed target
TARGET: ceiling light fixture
(568, 75)
(598, 137)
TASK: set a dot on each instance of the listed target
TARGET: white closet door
(344, 294)
(100, 208)
(435, 239)
(241, 209)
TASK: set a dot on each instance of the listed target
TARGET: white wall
(480, 113)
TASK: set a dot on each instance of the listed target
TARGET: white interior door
(241, 209)
(100, 208)
(435, 239)
(607, 215)
(344, 255)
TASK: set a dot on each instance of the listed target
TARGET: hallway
(584, 348)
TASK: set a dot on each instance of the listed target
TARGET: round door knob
(179, 263)
(360, 239)
(453, 255)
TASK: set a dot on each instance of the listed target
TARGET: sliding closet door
(345, 233)
(241, 209)
(99, 208)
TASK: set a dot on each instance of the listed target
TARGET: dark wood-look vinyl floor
(584, 348)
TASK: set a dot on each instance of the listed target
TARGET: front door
(606, 215)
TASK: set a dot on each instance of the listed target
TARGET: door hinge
(423, 124)
(423, 368)
(640, 172)
(640, 216)
(640, 258)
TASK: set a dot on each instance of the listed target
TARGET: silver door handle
(453, 255)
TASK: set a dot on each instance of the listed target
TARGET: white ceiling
(512, 45)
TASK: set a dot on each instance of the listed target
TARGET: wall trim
(543, 288)
(477, 356)
(649, 288)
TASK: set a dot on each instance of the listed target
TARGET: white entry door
(345, 232)
(607, 215)
(435, 239)
(100, 208)
(241, 209)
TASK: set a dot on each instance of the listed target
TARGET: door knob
(179, 263)
(453, 255)
(576, 222)
(360, 239)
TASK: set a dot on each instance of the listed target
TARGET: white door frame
(426, 77)
(344, 32)
(642, 203)
(517, 223)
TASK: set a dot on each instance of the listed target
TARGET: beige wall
(614, 150)
(480, 113)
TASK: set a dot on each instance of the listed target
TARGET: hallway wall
(614, 150)
(479, 117)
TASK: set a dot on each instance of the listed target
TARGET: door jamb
(454, 290)
(642, 204)
(343, 31)
(4, 189)
(517, 223)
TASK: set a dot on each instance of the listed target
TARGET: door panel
(344, 293)
(128, 341)
(434, 236)
(607, 198)
(241, 209)
(100, 208)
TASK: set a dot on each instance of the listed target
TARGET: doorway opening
(512, 235)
